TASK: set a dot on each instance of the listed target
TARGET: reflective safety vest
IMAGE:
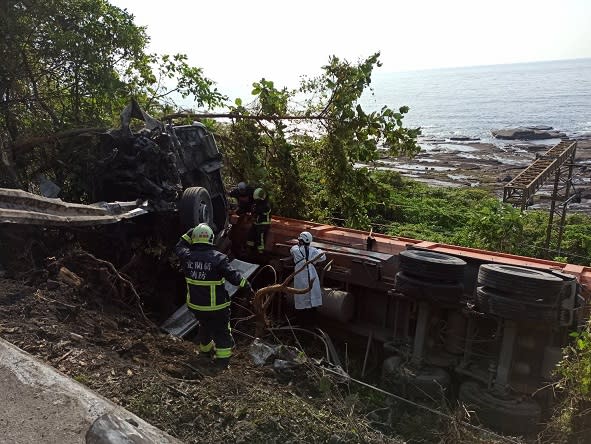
(262, 211)
(206, 270)
(216, 289)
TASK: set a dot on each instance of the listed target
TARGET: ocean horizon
(472, 101)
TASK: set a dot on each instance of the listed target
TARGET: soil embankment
(109, 347)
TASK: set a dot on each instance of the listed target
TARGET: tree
(76, 63)
(314, 166)
(64, 63)
(353, 136)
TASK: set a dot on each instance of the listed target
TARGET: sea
(471, 101)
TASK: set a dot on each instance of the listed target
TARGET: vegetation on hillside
(71, 64)
(473, 218)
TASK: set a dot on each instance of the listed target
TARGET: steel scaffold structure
(558, 161)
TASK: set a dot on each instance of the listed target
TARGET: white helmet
(305, 237)
(202, 234)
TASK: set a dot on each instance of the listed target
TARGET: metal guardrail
(21, 207)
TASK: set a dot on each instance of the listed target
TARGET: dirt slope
(109, 347)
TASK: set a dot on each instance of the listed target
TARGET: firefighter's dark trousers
(214, 332)
(257, 235)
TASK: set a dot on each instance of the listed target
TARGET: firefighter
(205, 270)
(261, 211)
(244, 195)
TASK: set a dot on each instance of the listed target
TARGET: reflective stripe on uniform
(212, 295)
(267, 217)
(223, 352)
(261, 245)
(242, 282)
(206, 307)
(187, 238)
(206, 348)
(204, 283)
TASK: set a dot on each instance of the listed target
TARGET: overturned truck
(124, 174)
(480, 327)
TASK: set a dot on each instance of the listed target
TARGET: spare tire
(431, 265)
(423, 289)
(521, 283)
(514, 416)
(488, 301)
(195, 207)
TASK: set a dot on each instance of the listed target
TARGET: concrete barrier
(38, 404)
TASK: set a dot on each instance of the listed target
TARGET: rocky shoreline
(466, 162)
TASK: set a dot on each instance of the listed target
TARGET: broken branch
(124, 280)
(30, 143)
(242, 116)
(260, 306)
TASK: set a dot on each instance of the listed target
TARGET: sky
(238, 42)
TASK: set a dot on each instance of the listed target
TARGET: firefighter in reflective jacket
(205, 271)
(261, 211)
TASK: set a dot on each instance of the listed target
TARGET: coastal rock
(540, 127)
(463, 139)
(528, 133)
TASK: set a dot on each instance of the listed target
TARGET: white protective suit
(313, 298)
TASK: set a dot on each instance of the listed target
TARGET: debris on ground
(108, 346)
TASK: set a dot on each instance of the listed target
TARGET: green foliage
(353, 136)
(470, 217)
(576, 239)
(572, 416)
(259, 151)
(76, 63)
(156, 90)
(312, 169)
(579, 369)
(575, 368)
(62, 63)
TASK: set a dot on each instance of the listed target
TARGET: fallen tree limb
(22, 146)
(242, 116)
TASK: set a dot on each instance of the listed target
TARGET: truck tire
(521, 283)
(195, 208)
(510, 415)
(488, 301)
(431, 265)
(423, 289)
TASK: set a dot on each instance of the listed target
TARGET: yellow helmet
(259, 194)
(202, 234)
